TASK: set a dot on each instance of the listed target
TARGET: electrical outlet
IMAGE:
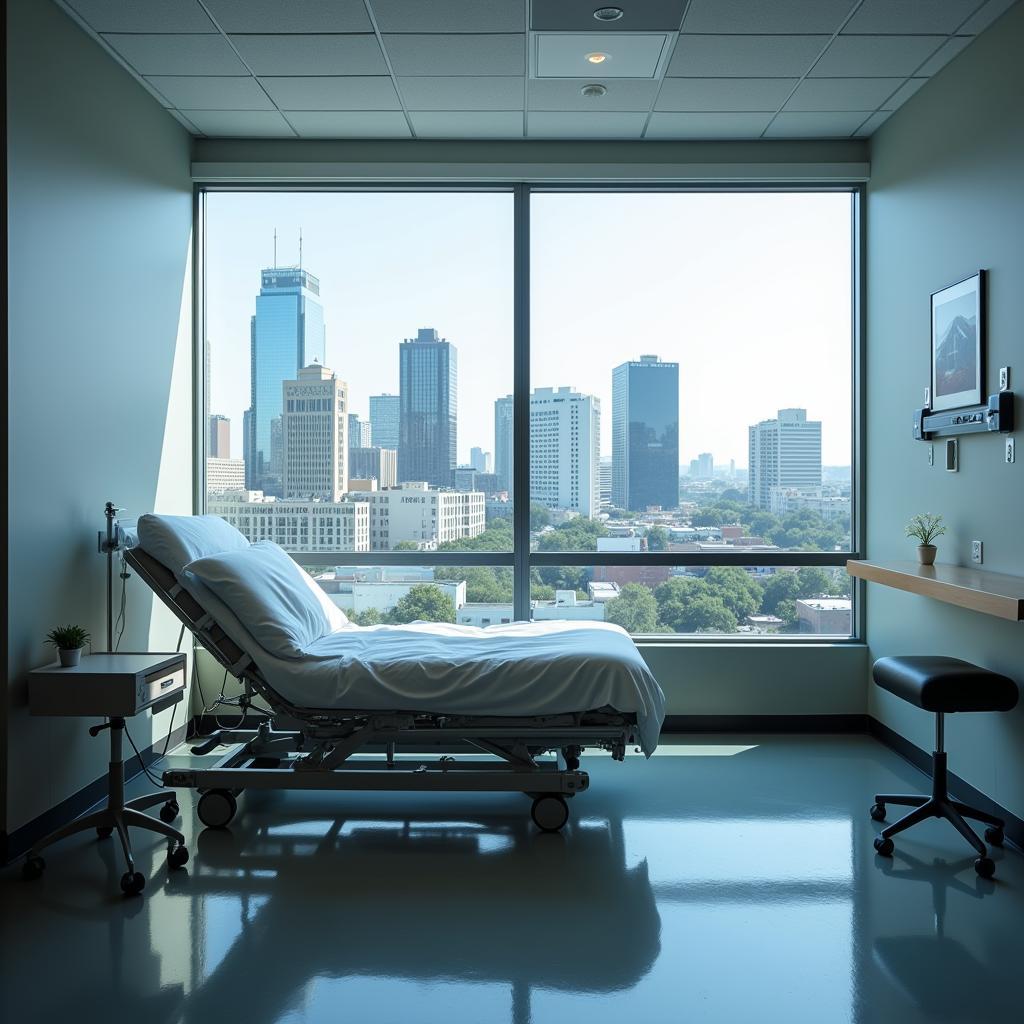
(977, 551)
(1004, 378)
(1010, 453)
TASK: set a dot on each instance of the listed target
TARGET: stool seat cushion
(943, 684)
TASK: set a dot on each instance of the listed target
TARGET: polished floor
(726, 880)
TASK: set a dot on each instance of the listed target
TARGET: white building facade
(565, 450)
(224, 475)
(784, 452)
(314, 435)
(422, 515)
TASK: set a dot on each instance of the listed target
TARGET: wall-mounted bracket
(995, 416)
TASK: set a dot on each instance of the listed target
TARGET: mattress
(522, 668)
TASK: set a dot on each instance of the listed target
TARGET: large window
(667, 376)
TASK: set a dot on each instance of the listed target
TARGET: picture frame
(958, 344)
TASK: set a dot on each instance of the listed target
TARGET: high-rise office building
(705, 466)
(605, 473)
(645, 434)
(380, 464)
(784, 452)
(218, 441)
(428, 388)
(503, 443)
(384, 420)
(565, 450)
(480, 460)
(314, 435)
(360, 433)
(286, 334)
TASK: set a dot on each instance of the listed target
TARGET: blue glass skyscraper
(428, 373)
(645, 434)
(286, 334)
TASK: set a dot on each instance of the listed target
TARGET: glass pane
(751, 601)
(358, 346)
(690, 361)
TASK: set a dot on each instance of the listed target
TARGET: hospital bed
(393, 707)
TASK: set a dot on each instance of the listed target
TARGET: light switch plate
(1004, 378)
(1011, 455)
(977, 551)
(952, 455)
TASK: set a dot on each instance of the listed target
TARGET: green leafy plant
(68, 638)
(925, 527)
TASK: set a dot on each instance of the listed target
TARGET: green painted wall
(99, 403)
(946, 197)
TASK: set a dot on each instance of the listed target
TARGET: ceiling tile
(578, 16)
(184, 122)
(547, 124)
(816, 124)
(564, 94)
(133, 16)
(463, 92)
(177, 54)
(842, 93)
(349, 92)
(275, 16)
(707, 126)
(943, 55)
(212, 93)
(467, 124)
(986, 14)
(311, 54)
(628, 55)
(766, 16)
(240, 123)
(903, 93)
(744, 56)
(349, 124)
(716, 94)
(875, 56)
(449, 16)
(890, 17)
(873, 122)
(452, 55)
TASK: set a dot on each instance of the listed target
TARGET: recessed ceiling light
(593, 90)
(597, 58)
(608, 13)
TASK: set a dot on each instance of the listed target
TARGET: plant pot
(71, 657)
(926, 553)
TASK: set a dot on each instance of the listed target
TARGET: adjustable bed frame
(316, 750)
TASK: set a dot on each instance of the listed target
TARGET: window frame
(521, 558)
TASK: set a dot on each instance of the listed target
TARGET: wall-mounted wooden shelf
(992, 593)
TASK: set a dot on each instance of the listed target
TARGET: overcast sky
(749, 293)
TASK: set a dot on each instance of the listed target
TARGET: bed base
(329, 748)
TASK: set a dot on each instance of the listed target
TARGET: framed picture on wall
(958, 333)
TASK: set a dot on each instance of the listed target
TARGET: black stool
(942, 685)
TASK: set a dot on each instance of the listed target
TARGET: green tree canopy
(579, 534)
(406, 545)
(539, 516)
(497, 537)
(780, 587)
(369, 617)
(737, 590)
(484, 584)
(688, 605)
(425, 602)
(657, 538)
(635, 609)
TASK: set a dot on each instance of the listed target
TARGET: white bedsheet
(524, 668)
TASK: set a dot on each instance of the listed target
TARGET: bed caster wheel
(177, 857)
(883, 846)
(169, 811)
(33, 868)
(216, 808)
(878, 812)
(985, 866)
(549, 812)
(994, 836)
(132, 883)
(104, 831)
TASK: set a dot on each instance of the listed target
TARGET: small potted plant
(69, 641)
(925, 528)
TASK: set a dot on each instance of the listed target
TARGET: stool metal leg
(923, 813)
(973, 813)
(901, 799)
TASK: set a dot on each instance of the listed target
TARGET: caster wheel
(169, 811)
(985, 866)
(883, 846)
(994, 836)
(104, 832)
(33, 868)
(177, 857)
(132, 883)
(878, 812)
(549, 812)
(216, 808)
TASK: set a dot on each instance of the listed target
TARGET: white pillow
(177, 540)
(271, 596)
